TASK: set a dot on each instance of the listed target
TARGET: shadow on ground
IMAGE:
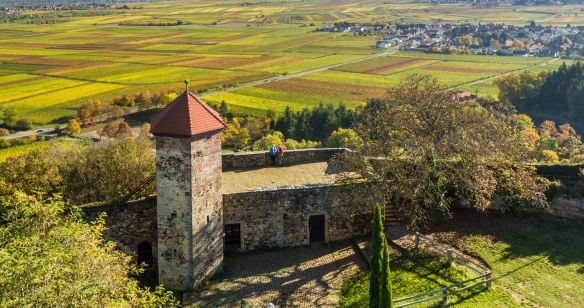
(559, 240)
(307, 276)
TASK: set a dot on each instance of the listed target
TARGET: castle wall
(279, 217)
(128, 224)
(184, 222)
(261, 159)
(268, 218)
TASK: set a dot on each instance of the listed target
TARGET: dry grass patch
(271, 177)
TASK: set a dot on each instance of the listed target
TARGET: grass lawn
(416, 273)
(536, 259)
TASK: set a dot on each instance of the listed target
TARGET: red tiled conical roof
(186, 116)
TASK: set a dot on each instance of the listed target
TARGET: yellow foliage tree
(550, 156)
(73, 127)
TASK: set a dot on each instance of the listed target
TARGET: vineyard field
(228, 51)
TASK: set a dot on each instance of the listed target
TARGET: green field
(47, 70)
(20, 150)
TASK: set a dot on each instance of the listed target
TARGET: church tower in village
(189, 204)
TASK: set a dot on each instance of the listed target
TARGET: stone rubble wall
(260, 159)
(279, 217)
(128, 224)
(269, 218)
(206, 208)
(174, 212)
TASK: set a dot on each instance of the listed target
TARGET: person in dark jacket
(273, 152)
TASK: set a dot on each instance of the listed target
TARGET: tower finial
(187, 85)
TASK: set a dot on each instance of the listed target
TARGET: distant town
(480, 39)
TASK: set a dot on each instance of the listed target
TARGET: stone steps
(390, 216)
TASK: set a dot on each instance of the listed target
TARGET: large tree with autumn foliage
(49, 257)
(430, 150)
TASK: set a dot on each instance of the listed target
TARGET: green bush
(23, 124)
(555, 190)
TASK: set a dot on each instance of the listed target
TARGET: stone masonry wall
(187, 237)
(260, 159)
(279, 217)
(269, 218)
(128, 224)
(174, 212)
(207, 207)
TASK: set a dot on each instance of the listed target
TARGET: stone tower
(189, 199)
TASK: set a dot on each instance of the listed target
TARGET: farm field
(47, 70)
(356, 82)
(20, 150)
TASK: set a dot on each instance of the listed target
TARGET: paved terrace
(235, 181)
(306, 276)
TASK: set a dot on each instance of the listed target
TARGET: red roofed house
(189, 199)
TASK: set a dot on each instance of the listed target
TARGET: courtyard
(306, 276)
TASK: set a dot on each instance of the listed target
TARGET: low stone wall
(563, 172)
(260, 159)
(279, 217)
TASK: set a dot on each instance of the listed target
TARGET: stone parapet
(260, 159)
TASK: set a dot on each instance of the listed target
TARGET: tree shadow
(463, 297)
(309, 274)
(527, 234)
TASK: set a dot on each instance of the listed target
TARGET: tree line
(321, 125)
(9, 119)
(49, 255)
(97, 111)
(80, 173)
(560, 91)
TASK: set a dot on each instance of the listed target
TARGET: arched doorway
(145, 254)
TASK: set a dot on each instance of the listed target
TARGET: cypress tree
(385, 296)
(376, 269)
(379, 283)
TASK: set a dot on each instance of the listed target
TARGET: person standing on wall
(273, 152)
(280, 151)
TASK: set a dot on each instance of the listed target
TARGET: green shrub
(23, 124)
(555, 190)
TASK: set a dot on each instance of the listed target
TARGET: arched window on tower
(145, 254)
